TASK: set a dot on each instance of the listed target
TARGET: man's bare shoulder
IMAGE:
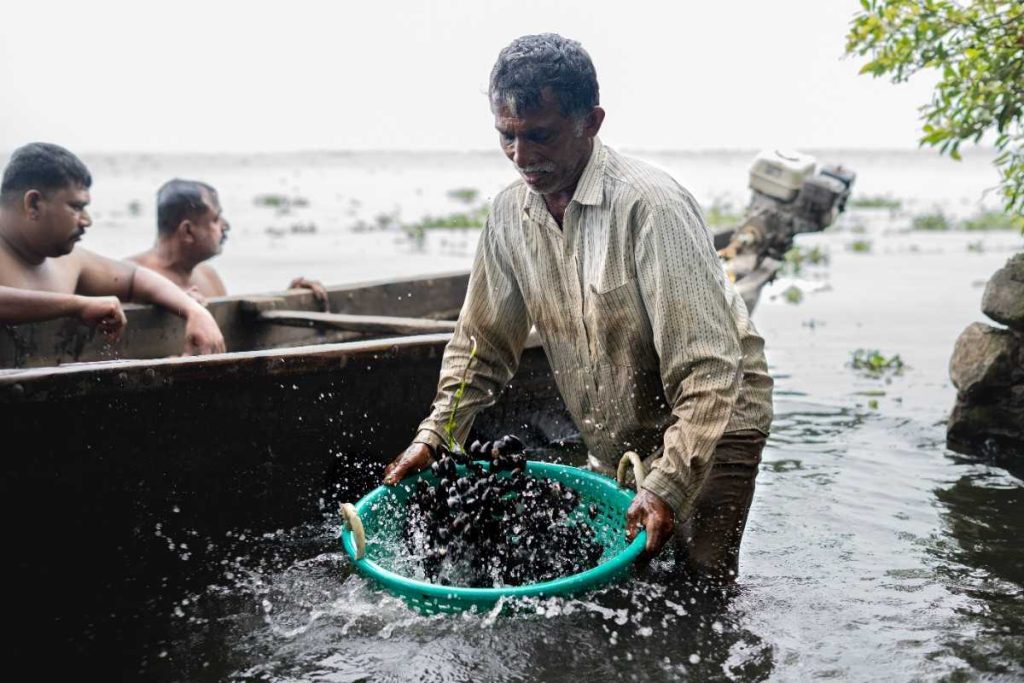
(206, 279)
(143, 258)
(56, 274)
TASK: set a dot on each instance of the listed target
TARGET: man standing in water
(191, 229)
(611, 261)
(44, 275)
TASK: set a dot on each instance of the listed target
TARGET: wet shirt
(650, 346)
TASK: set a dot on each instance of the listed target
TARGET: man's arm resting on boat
(101, 275)
(19, 306)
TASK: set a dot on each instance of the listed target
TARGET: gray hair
(547, 60)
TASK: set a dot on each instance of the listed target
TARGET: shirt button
(598, 426)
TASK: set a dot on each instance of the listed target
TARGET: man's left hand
(315, 286)
(650, 512)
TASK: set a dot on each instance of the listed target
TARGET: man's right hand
(202, 335)
(104, 313)
(413, 459)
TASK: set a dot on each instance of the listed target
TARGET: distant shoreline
(342, 153)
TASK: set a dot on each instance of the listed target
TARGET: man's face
(61, 219)
(549, 149)
(211, 229)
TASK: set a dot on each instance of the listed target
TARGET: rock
(985, 359)
(1003, 300)
(992, 430)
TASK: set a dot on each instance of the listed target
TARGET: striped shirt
(650, 345)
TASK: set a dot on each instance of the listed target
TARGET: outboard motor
(789, 195)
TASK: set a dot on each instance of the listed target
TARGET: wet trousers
(709, 541)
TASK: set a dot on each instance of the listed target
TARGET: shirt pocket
(618, 328)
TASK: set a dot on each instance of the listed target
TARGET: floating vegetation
(722, 214)
(381, 222)
(491, 524)
(466, 195)
(462, 220)
(936, 221)
(871, 362)
(983, 221)
(876, 202)
(860, 246)
(793, 294)
(135, 207)
(282, 203)
(976, 247)
(993, 220)
(796, 258)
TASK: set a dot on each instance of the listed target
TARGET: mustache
(536, 168)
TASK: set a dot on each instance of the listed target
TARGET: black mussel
(514, 443)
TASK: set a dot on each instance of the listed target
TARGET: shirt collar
(589, 189)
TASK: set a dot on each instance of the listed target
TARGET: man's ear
(592, 122)
(31, 202)
(187, 231)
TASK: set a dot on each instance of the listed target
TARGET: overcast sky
(299, 75)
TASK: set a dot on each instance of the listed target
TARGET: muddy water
(872, 552)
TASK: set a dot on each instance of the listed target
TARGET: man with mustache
(44, 275)
(191, 229)
(612, 263)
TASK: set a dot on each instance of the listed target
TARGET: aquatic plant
(450, 426)
(934, 221)
(135, 207)
(281, 202)
(860, 246)
(274, 201)
(461, 220)
(873, 363)
(795, 259)
(721, 214)
(466, 195)
(793, 294)
(876, 202)
(992, 220)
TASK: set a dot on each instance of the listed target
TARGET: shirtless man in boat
(45, 275)
(610, 260)
(191, 229)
